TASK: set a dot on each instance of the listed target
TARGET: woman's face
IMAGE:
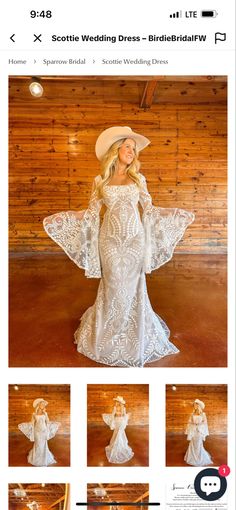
(197, 408)
(127, 151)
(41, 406)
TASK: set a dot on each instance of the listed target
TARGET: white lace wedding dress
(197, 430)
(118, 451)
(39, 431)
(121, 328)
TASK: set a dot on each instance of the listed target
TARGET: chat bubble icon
(210, 484)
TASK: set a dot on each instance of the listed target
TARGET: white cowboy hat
(119, 399)
(37, 401)
(200, 403)
(115, 133)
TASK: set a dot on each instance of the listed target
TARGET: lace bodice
(126, 193)
(197, 424)
(197, 419)
(122, 197)
(41, 421)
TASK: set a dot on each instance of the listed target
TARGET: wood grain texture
(21, 405)
(52, 162)
(100, 400)
(179, 406)
(130, 492)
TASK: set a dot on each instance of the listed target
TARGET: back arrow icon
(12, 37)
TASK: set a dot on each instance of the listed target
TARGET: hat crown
(119, 399)
(199, 402)
(37, 401)
(115, 133)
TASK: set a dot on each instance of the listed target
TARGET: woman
(120, 329)
(197, 430)
(118, 451)
(39, 431)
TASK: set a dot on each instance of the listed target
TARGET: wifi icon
(177, 14)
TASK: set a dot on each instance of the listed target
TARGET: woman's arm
(191, 428)
(203, 426)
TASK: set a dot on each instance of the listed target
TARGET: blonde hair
(109, 163)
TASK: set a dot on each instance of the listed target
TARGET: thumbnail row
(118, 425)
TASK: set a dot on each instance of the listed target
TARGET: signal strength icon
(177, 14)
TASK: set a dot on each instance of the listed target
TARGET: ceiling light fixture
(19, 493)
(36, 88)
(98, 491)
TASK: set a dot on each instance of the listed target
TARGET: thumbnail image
(39, 496)
(111, 494)
(39, 425)
(110, 179)
(118, 425)
(196, 425)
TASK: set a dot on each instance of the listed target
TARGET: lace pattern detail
(164, 228)
(39, 431)
(197, 430)
(121, 329)
(118, 451)
(77, 234)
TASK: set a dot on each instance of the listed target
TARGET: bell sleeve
(164, 227)
(53, 427)
(28, 429)
(190, 429)
(77, 233)
(203, 427)
(109, 419)
(125, 420)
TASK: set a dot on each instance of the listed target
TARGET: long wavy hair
(108, 166)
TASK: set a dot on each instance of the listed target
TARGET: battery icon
(208, 14)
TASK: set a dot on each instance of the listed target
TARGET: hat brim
(199, 403)
(113, 134)
(120, 401)
(38, 401)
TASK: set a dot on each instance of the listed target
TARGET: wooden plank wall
(21, 409)
(100, 400)
(179, 406)
(45, 496)
(52, 161)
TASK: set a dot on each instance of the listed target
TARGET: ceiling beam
(141, 498)
(57, 501)
(148, 94)
(168, 78)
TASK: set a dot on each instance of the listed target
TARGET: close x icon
(37, 38)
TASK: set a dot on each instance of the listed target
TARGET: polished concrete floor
(177, 444)
(99, 437)
(19, 448)
(48, 295)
